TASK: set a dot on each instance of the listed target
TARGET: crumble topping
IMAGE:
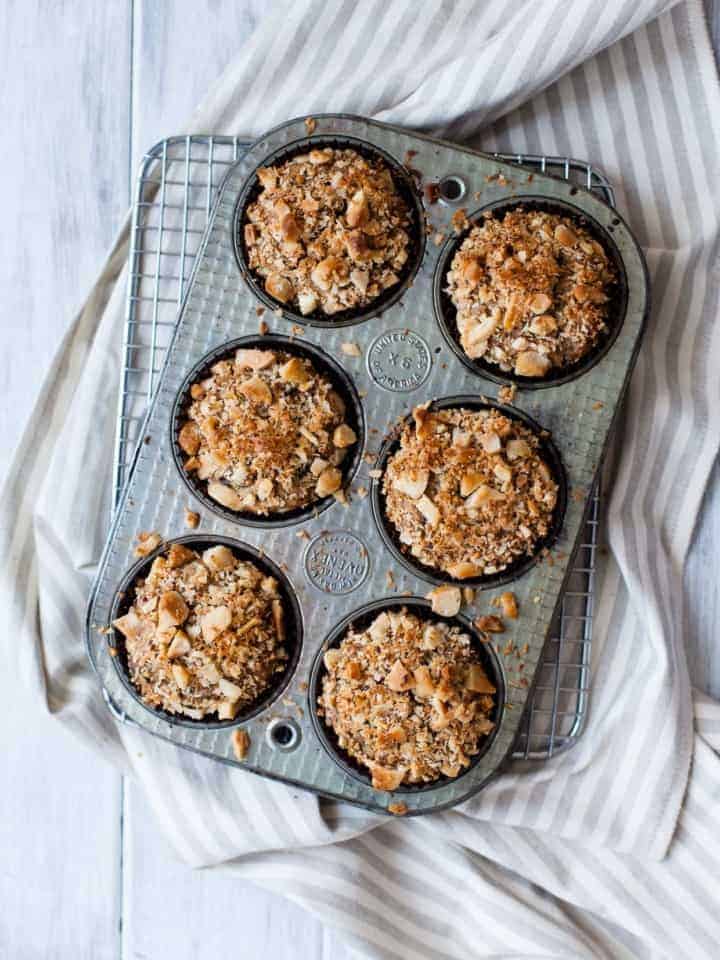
(531, 291)
(328, 232)
(266, 433)
(407, 698)
(467, 492)
(204, 634)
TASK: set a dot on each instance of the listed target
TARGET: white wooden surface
(84, 88)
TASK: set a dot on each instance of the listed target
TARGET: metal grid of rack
(175, 191)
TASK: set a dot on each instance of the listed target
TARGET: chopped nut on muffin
(531, 291)
(266, 433)
(467, 492)
(204, 634)
(407, 698)
(328, 232)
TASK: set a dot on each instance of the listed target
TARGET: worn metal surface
(219, 307)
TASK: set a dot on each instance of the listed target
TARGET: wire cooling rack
(174, 195)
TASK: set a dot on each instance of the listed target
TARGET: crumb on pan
(204, 634)
(328, 232)
(407, 698)
(531, 291)
(266, 433)
(468, 492)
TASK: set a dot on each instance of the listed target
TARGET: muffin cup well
(361, 618)
(389, 535)
(405, 186)
(324, 364)
(123, 599)
(446, 312)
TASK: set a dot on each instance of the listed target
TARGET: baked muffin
(204, 634)
(468, 492)
(328, 232)
(266, 433)
(531, 290)
(407, 698)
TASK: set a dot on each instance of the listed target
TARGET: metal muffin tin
(337, 562)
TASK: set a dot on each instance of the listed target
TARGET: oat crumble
(407, 698)
(266, 433)
(204, 634)
(467, 492)
(328, 232)
(531, 291)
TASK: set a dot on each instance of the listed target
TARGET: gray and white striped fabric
(610, 850)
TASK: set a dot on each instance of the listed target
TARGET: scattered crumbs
(302, 535)
(524, 681)
(147, 439)
(507, 394)
(459, 220)
(283, 566)
(525, 648)
(477, 194)
(490, 177)
(310, 125)
(192, 519)
(113, 651)
(502, 180)
(350, 349)
(438, 239)
(598, 405)
(432, 192)
(288, 702)
(408, 158)
(578, 494)
(398, 809)
(508, 648)
(278, 312)
(468, 595)
(369, 457)
(390, 580)
(146, 543)
(302, 686)
(489, 623)
(341, 497)
(297, 331)
(536, 598)
(362, 492)
(362, 394)
(240, 743)
(530, 177)
(406, 593)
(373, 430)
(263, 328)
(509, 706)
(521, 666)
(375, 474)
(259, 311)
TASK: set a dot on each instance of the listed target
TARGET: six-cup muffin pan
(340, 564)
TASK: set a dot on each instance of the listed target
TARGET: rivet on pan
(451, 189)
(283, 735)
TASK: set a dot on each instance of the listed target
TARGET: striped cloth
(608, 851)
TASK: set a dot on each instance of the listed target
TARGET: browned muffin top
(407, 698)
(468, 492)
(531, 291)
(204, 633)
(266, 432)
(328, 232)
